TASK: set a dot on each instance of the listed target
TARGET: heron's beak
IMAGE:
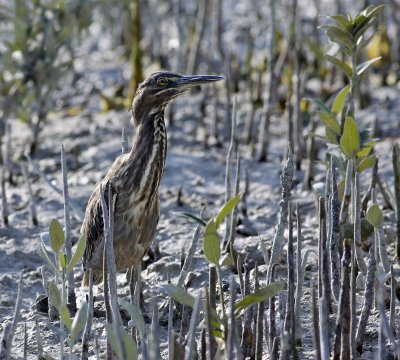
(187, 82)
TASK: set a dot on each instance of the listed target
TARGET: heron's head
(159, 88)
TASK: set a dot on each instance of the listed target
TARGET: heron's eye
(162, 81)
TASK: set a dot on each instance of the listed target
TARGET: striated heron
(135, 178)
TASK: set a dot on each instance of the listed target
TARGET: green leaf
(136, 316)
(63, 260)
(259, 295)
(212, 246)
(54, 295)
(130, 348)
(227, 260)
(341, 64)
(350, 142)
(80, 249)
(191, 217)
(112, 338)
(56, 235)
(65, 316)
(330, 121)
(340, 100)
(42, 252)
(366, 163)
(374, 215)
(79, 321)
(319, 103)
(339, 36)
(365, 65)
(341, 21)
(366, 149)
(179, 295)
(227, 209)
(331, 136)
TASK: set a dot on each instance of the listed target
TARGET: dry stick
(311, 155)
(193, 58)
(39, 342)
(228, 186)
(392, 311)
(372, 185)
(357, 225)
(239, 265)
(299, 280)
(10, 327)
(25, 342)
(247, 333)
(154, 341)
(286, 179)
(396, 175)
(189, 258)
(259, 326)
(203, 347)
(234, 214)
(315, 322)
(211, 343)
(71, 297)
(74, 205)
(263, 139)
(109, 271)
(211, 304)
(341, 348)
(325, 266)
(89, 319)
(171, 339)
(192, 329)
(385, 195)
(32, 203)
(368, 298)
(335, 237)
(4, 204)
(324, 283)
(271, 323)
(344, 211)
(124, 141)
(289, 324)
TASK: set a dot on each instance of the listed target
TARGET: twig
(32, 203)
(286, 185)
(192, 329)
(4, 204)
(89, 319)
(396, 175)
(68, 243)
(357, 225)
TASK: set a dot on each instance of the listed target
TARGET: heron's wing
(93, 224)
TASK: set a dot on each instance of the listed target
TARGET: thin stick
(71, 297)
(89, 319)
(32, 203)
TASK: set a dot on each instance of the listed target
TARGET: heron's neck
(148, 153)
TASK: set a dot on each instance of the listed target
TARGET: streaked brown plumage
(135, 178)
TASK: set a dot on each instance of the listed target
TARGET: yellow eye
(162, 81)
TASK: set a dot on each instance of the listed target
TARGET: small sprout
(374, 215)
(179, 295)
(63, 261)
(212, 245)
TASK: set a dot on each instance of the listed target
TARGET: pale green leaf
(330, 121)
(340, 100)
(365, 65)
(259, 295)
(191, 217)
(42, 252)
(350, 142)
(54, 295)
(341, 21)
(366, 149)
(227, 260)
(374, 215)
(366, 163)
(179, 295)
(212, 246)
(226, 210)
(80, 249)
(341, 64)
(56, 235)
(79, 321)
(65, 316)
(130, 347)
(331, 136)
(136, 316)
(339, 36)
(63, 260)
